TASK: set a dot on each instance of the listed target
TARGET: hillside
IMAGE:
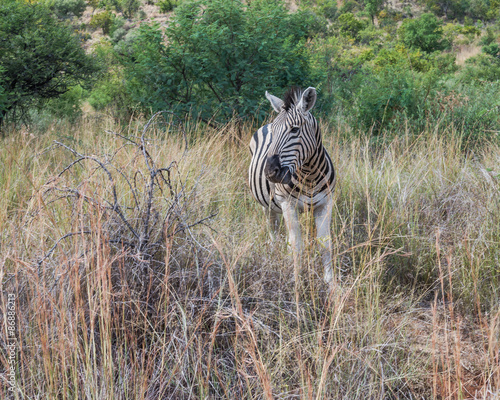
(437, 50)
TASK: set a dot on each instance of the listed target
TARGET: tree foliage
(373, 7)
(40, 58)
(67, 8)
(218, 58)
(425, 33)
(459, 9)
(349, 25)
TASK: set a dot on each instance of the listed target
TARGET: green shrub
(425, 33)
(167, 5)
(130, 7)
(388, 95)
(219, 58)
(372, 7)
(370, 35)
(482, 67)
(402, 57)
(444, 63)
(67, 8)
(103, 20)
(110, 92)
(348, 7)
(492, 49)
(349, 25)
(471, 31)
(473, 108)
(307, 24)
(450, 8)
(41, 60)
(67, 106)
(327, 8)
(489, 38)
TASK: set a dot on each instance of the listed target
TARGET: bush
(402, 57)
(489, 38)
(67, 106)
(327, 8)
(67, 8)
(218, 59)
(307, 24)
(349, 6)
(471, 107)
(41, 60)
(369, 35)
(109, 91)
(425, 33)
(373, 7)
(482, 67)
(349, 25)
(102, 20)
(167, 5)
(390, 94)
(492, 49)
(130, 7)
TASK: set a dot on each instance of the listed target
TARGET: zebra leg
(290, 214)
(322, 217)
(274, 223)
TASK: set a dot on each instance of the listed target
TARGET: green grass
(215, 313)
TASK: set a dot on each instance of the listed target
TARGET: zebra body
(291, 170)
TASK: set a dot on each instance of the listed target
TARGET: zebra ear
(276, 102)
(307, 100)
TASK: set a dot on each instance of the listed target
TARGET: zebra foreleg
(290, 214)
(322, 217)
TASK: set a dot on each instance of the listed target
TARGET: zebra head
(295, 135)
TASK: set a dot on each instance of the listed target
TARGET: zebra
(291, 170)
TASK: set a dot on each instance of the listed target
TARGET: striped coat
(291, 170)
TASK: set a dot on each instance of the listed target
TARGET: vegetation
(220, 58)
(214, 59)
(39, 58)
(132, 296)
(140, 265)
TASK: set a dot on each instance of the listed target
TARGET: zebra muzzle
(275, 172)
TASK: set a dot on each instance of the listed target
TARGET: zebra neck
(315, 171)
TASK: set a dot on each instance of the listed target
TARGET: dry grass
(213, 313)
(465, 52)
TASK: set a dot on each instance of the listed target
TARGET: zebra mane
(292, 97)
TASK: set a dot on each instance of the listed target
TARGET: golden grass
(465, 52)
(414, 312)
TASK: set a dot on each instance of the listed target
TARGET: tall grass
(215, 313)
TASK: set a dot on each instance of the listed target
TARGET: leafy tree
(349, 25)
(67, 8)
(448, 8)
(130, 7)
(40, 58)
(102, 20)
(327, 8)
(218, 58)
(425, 33)
(373, 7)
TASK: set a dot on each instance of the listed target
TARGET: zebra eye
(295, 129)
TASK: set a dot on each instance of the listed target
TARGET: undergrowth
(142, 268)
